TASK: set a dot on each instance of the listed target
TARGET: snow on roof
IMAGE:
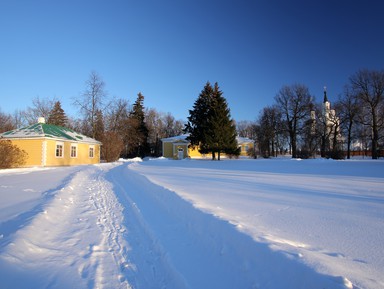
(182, 138)
(241, 140)
(43, 130)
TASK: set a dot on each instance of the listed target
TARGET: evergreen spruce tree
(220, 134)
(198, 119)
(210, 125)
(57, 115)
(139, 140)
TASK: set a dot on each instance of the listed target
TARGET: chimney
(41, 120)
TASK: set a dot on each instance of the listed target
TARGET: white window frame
(91, 149)
(73, 146)
(61, 144)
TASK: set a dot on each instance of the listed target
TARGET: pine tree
(210, 125)
(138, 137)
(57, 115)
(220, 134)
(198, 119)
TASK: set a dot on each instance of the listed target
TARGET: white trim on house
(44, 153)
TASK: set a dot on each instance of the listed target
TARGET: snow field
(194, 224)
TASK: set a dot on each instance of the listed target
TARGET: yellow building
(177, 147)
(51, 145)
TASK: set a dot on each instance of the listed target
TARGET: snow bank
(326, 214)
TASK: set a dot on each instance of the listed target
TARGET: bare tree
(6, 122)
(349, 111)
(41, 107)
(270, 123)
(294, 103)
(368, 87)
(92, 100)
(117, 115)
(112, 146)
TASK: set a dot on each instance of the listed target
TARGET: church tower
(326, 103)
(332, 123)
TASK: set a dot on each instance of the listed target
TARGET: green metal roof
(43, 130)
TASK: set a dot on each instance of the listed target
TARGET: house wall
(33, 147)
(176, 148)
(194, 153)
(42, 152)
(167, 149)
(244, 147)
(170, 150)
(82, 156)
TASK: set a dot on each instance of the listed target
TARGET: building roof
(43, 130)
(179, 138)
(183, 138)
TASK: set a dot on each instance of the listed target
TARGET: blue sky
(169, 49)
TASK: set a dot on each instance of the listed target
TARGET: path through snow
(75, 241)
(116, 226)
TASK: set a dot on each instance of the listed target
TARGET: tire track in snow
(151, 266)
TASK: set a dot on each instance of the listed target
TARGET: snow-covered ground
(278, 223)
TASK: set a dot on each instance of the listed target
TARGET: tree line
(126, 130)
(295, 123)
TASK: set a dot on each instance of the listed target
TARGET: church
(331, 125)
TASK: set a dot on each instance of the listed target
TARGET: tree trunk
(293, 143)
(375, 136)
(349, 141)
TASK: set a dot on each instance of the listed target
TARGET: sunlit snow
(157, 223)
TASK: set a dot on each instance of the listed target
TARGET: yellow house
(51, 145)
(177, 147)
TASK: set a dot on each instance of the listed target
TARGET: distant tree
(368, 87)
(112, 146)
(246, 128)
(137, 131)
(6, 122)
(57, 115)
(294, 103)
(270, 122)
(41, 107)
(18, 119)
(117, 116)
(170, 126)
(92, 100)
(160, 125)
(154, 124)
(11, 156)
(99, 125)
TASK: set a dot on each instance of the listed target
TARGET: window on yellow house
(73, 151)
(59, 150)
(91, 151)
